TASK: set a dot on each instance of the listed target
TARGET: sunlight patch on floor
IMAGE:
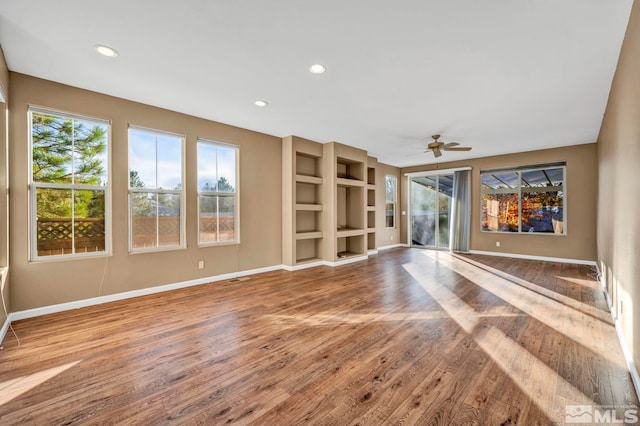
(13, 388)
(561, 298)
(350, 318)
(534, 378)
(562, 317)
(592, 284)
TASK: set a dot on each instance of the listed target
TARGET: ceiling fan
(437, 147)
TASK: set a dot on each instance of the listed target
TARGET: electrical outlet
(497, 243)
(392, 238)
(200, 264)
(621, 310)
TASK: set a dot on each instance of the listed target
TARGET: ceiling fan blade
(462, 148)
(450, 145)
(437, 153)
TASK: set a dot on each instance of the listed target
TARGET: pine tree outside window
(69, 185)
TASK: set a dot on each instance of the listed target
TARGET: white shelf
(308, 260)
(349, 232)
(349, 182)
(308, 235)
(309, 207)
(371, 208)
(309, 179)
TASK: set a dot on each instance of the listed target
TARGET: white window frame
(156, 191)
(33, 186)
(395, 201)
(519, 190)
(235, 195)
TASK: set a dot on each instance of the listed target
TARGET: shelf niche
(349, 169)
(308, 221)
(307, 193)
(371, 219)
(371, 241)
(349, 208)
(307, 165)
(350, 247)
(371, 175)
(308, 250)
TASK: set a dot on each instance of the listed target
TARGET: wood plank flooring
(407, 337)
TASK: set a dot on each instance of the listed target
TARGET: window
(217, 193)
(69, 185)
(390, 201)
(156, 198)
(524, 200)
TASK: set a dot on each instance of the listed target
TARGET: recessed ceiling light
(317, 69)
(261, 103)
(106, 51)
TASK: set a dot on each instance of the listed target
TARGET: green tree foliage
(68, 151)
(142, 204)
(209, 203)
(134, 180)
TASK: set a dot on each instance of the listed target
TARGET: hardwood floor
(407, 337)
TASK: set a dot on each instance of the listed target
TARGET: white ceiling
(498, 75)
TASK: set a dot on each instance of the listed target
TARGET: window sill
(68, 257)
(156, 250)
(221, 243)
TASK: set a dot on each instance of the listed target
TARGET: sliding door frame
(429, 173)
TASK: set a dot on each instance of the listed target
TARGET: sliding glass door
(431, 210)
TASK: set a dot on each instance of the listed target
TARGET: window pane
(66, 150)
(445, 188)
(543, 212)
(423, 211)
(142, 159)
(169, 162)
(89, 221)
(52, 145)
(208, 219)
(89, 153)
(389, 215)
(542, 178)
(207, 167)
(54, 230)
(168, 220)
(500, 212)
(500, 180)
(226, 169)
(143, 220)
(227, 218)
(390, 184)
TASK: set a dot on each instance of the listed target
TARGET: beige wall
(618, 194)
(386, 236)
(580, 202)
(4, 225)
(39, 284)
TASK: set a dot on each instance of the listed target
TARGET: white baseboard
(530, 257)
(372, 252)
(633, 370)
(392, 246)
(304, 265)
